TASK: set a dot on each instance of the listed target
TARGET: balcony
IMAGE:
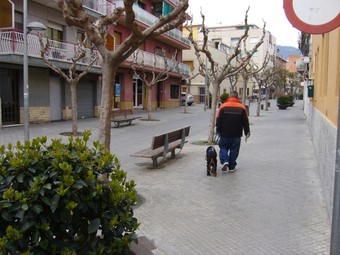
(148, 59)
(148, 19)
(174, 2)
(12, 43)
(101, 7)
(95, 8)
(301, 64)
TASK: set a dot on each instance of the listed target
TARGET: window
(157, 9)
(6, 14)
(234, 41)
(113, 39)
(81, 38)
(55, 31)
(253, 40)
(141, 5)
(201, 94)
(174, 91)
(159, 51)
(19, 20)
(167, 8)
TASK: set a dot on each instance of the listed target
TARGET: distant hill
(285, 51)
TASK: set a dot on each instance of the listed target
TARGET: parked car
(190, 98)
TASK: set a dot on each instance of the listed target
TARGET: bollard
(261, 106)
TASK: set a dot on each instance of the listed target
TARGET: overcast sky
(226, 12)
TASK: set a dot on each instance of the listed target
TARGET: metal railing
(12, 42)
(175, 2)
(102, 7)
(152, 60)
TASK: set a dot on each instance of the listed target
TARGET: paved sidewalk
(273, 204)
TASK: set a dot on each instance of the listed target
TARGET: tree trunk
(244, 94)
(74, 107)
(213, 113)
(104, 131)
(185, 101)
(267, 98)
(259, 100)
(149, 102)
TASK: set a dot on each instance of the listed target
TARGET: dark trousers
(229, 150)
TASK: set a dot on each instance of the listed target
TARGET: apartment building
(227, 38)
(49, 95)
(322, 103)
(230, 35)
(201, 84)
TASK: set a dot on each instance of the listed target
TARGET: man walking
(232, 119)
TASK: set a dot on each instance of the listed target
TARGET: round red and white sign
(313, 16)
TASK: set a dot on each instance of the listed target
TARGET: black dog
(211, 158)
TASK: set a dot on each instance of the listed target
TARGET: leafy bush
(224, 97)
(53, 199)
(285, 99)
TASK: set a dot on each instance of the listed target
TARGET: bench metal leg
(154, 162)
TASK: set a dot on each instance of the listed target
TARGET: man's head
(234, 94)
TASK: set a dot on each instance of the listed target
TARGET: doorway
(159, 94)
(137, 93)
(9, 94)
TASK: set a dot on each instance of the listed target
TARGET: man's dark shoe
(232, 170)
(225, 167)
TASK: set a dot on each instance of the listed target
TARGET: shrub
(283, 100)
(53, 199)
(224, 97)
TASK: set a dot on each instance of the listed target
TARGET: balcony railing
(12, 42)
(102, 7)
(175, 2)
(149, 19)
(152, 60)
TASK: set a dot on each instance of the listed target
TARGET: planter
(283, 106)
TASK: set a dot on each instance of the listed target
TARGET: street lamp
(28, 28)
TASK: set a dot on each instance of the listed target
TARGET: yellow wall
(325, 69)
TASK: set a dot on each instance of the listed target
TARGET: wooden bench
(121, 116)
(162, 144)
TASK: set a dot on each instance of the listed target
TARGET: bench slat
(149, 153)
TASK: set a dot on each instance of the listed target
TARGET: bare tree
(249, 71)
(233, 81)
(264, 79)
(155, 75)
(72, 76)
(74, 14)
(218, 73)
